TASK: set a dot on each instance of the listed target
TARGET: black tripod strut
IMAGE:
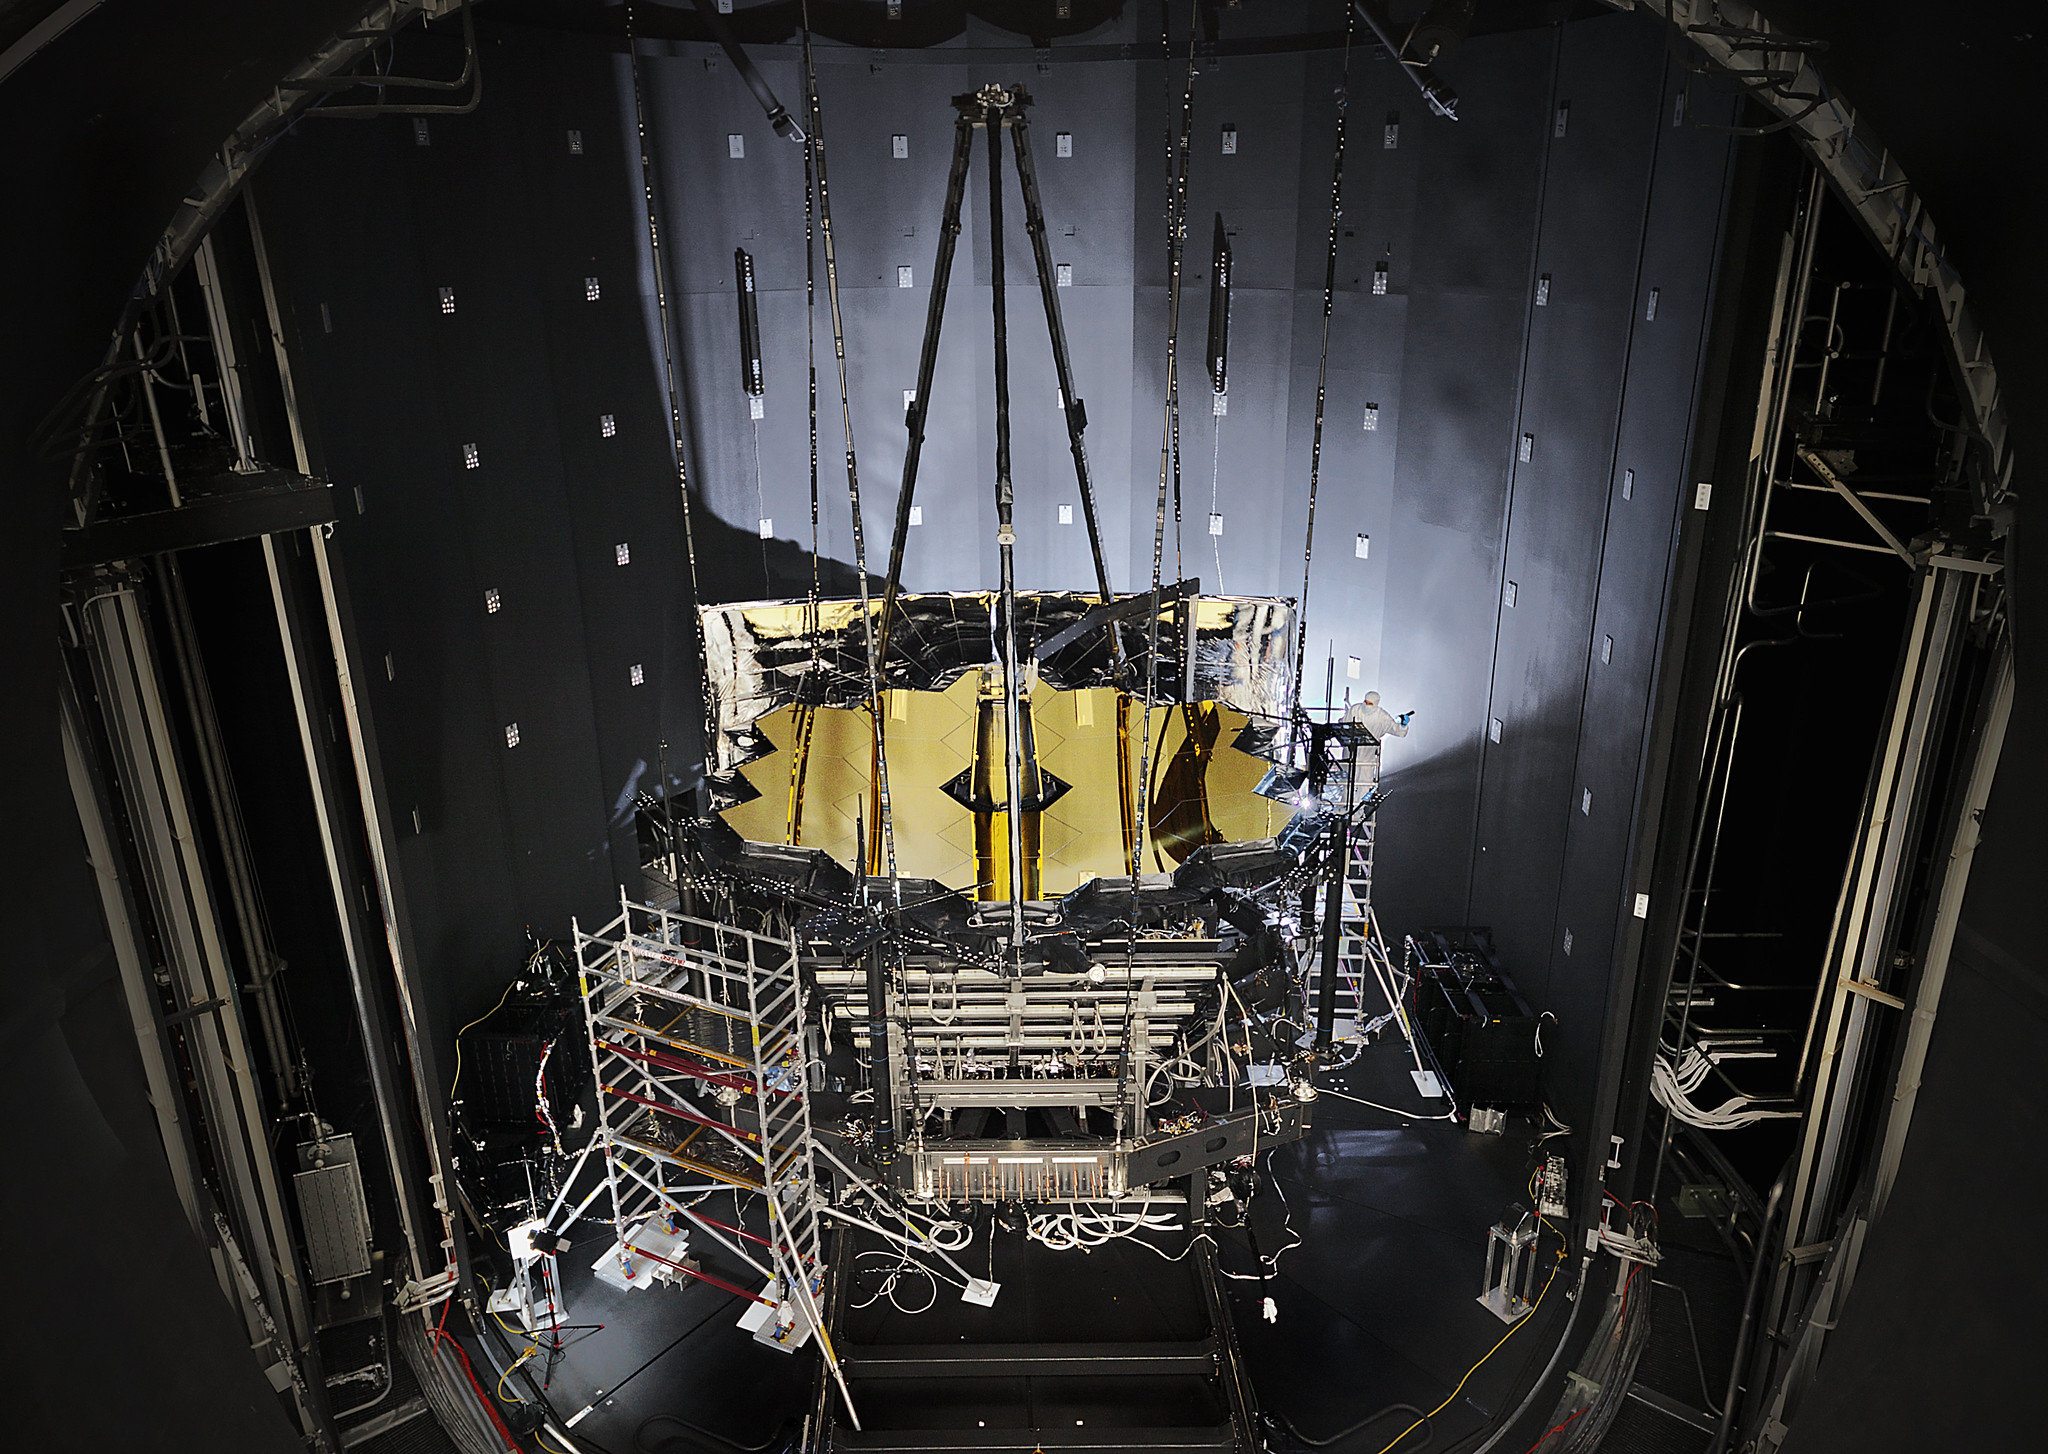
(1006, 534)
(927, 365)
(994, 107)
(1071, 405)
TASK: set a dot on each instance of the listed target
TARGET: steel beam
(1776, 68)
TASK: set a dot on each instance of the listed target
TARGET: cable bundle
(1673, 1087)
(1065, 1231)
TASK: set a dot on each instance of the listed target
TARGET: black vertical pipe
(750, 322)
(1219, 311)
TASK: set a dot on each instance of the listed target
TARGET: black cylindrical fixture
(1440, 31)
(751, 379)
(1333, 936)
(1219, 311)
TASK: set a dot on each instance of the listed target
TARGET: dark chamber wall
(125, 110)
(1616, 202)
(368, 227)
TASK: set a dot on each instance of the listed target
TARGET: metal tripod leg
(927, 365)
(1006, 539)
(1055, 327)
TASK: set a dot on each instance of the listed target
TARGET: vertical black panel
(366, 304)
(1643, 532)
(369, 228)
(1590, 245)
(1468, 276)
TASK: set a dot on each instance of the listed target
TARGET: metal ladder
(1360, 778)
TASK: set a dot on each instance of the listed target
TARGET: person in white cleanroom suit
(1377, 719)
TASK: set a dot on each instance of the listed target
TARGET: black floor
(1138, 1319)
(1379, 1303)
(1376, 1305)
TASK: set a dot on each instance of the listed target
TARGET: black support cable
(1167, 472)
(816, 152)
(1315, 465)
(751, 379)
(709, 740)
(752, 384)
(1144, 784)
(811, 373)
(1176, 249)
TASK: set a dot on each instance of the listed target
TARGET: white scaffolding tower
(696, 1043)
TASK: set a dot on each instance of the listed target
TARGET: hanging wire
(1168, 450)
(675, 403)
(860, 549)
(807, 715)
(1176, 242)
(1175, 224)
(1315, 465)
(1215, 473)
(761, 511)
(811, 370)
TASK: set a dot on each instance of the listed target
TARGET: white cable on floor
(1450, 1115)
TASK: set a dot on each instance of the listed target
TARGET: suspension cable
(1215, 476)
(708, 745)
(1315, 458)
(806, 714)
(1321, 367)
(1174, 224)
(1176, 242)
(811, 368)
(860, 549)
(1169, 472)
(1219, 383)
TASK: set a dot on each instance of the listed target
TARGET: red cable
(1546, 1438)
(470, 1373)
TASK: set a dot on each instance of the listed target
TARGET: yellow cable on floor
(1484, 1356)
